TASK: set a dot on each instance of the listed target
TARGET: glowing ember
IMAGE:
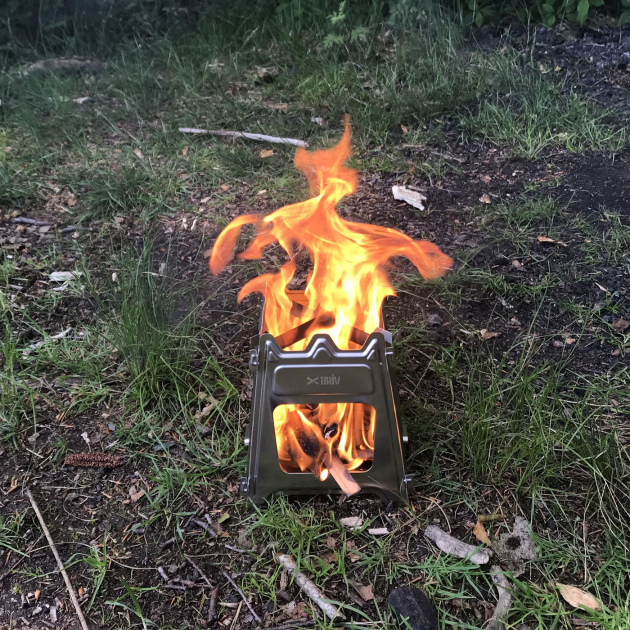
(344, 293)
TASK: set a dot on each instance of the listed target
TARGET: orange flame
(345, 291)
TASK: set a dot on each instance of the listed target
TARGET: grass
(156, 348)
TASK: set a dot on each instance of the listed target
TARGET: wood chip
(378, 531)
(352, 522)
(412, 197)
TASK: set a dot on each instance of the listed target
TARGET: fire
(344, 293)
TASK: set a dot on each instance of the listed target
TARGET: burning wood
(341, 475)
(343, 298)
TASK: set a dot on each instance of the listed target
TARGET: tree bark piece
(413, 608)
(455, 547)
(51, 543)
(505, 599)
(309, 587)
(245, 134)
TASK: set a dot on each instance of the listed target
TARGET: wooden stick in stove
(341, 475)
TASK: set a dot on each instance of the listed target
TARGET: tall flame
(344, 292)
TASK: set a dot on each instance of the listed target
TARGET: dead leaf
(485, 178)
(72, 202)
(404, 129)
(37, 594)
(184, 150)
(517, 264)
(480, 533)
(138, 154)
(81, 592)
(486, 334)
(620, 324)
(485, 198)
(353, 557)
(352, 522)
(577, 597)
(545, 239)
(265, 153)
(569, 341)
(331, 542)
(136, 496)
(207, 253)
(328, 557)
(365, 592)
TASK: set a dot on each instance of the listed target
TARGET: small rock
(414, 606)
(434, 319)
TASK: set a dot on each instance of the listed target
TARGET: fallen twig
(240, 592)
(73, 228)
(204, 526)
(28, 221)
(231, 548)
(308, 586)
(245, 134)
(505, 599)
(51, 543)
(212, 608)
(236, 616)
(167, 544)
(201, 573)
(456, 547)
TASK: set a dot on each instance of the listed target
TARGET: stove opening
(325, 439)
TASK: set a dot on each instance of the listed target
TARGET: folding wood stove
(322, 373)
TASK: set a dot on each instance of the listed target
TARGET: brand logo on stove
(323, 380)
